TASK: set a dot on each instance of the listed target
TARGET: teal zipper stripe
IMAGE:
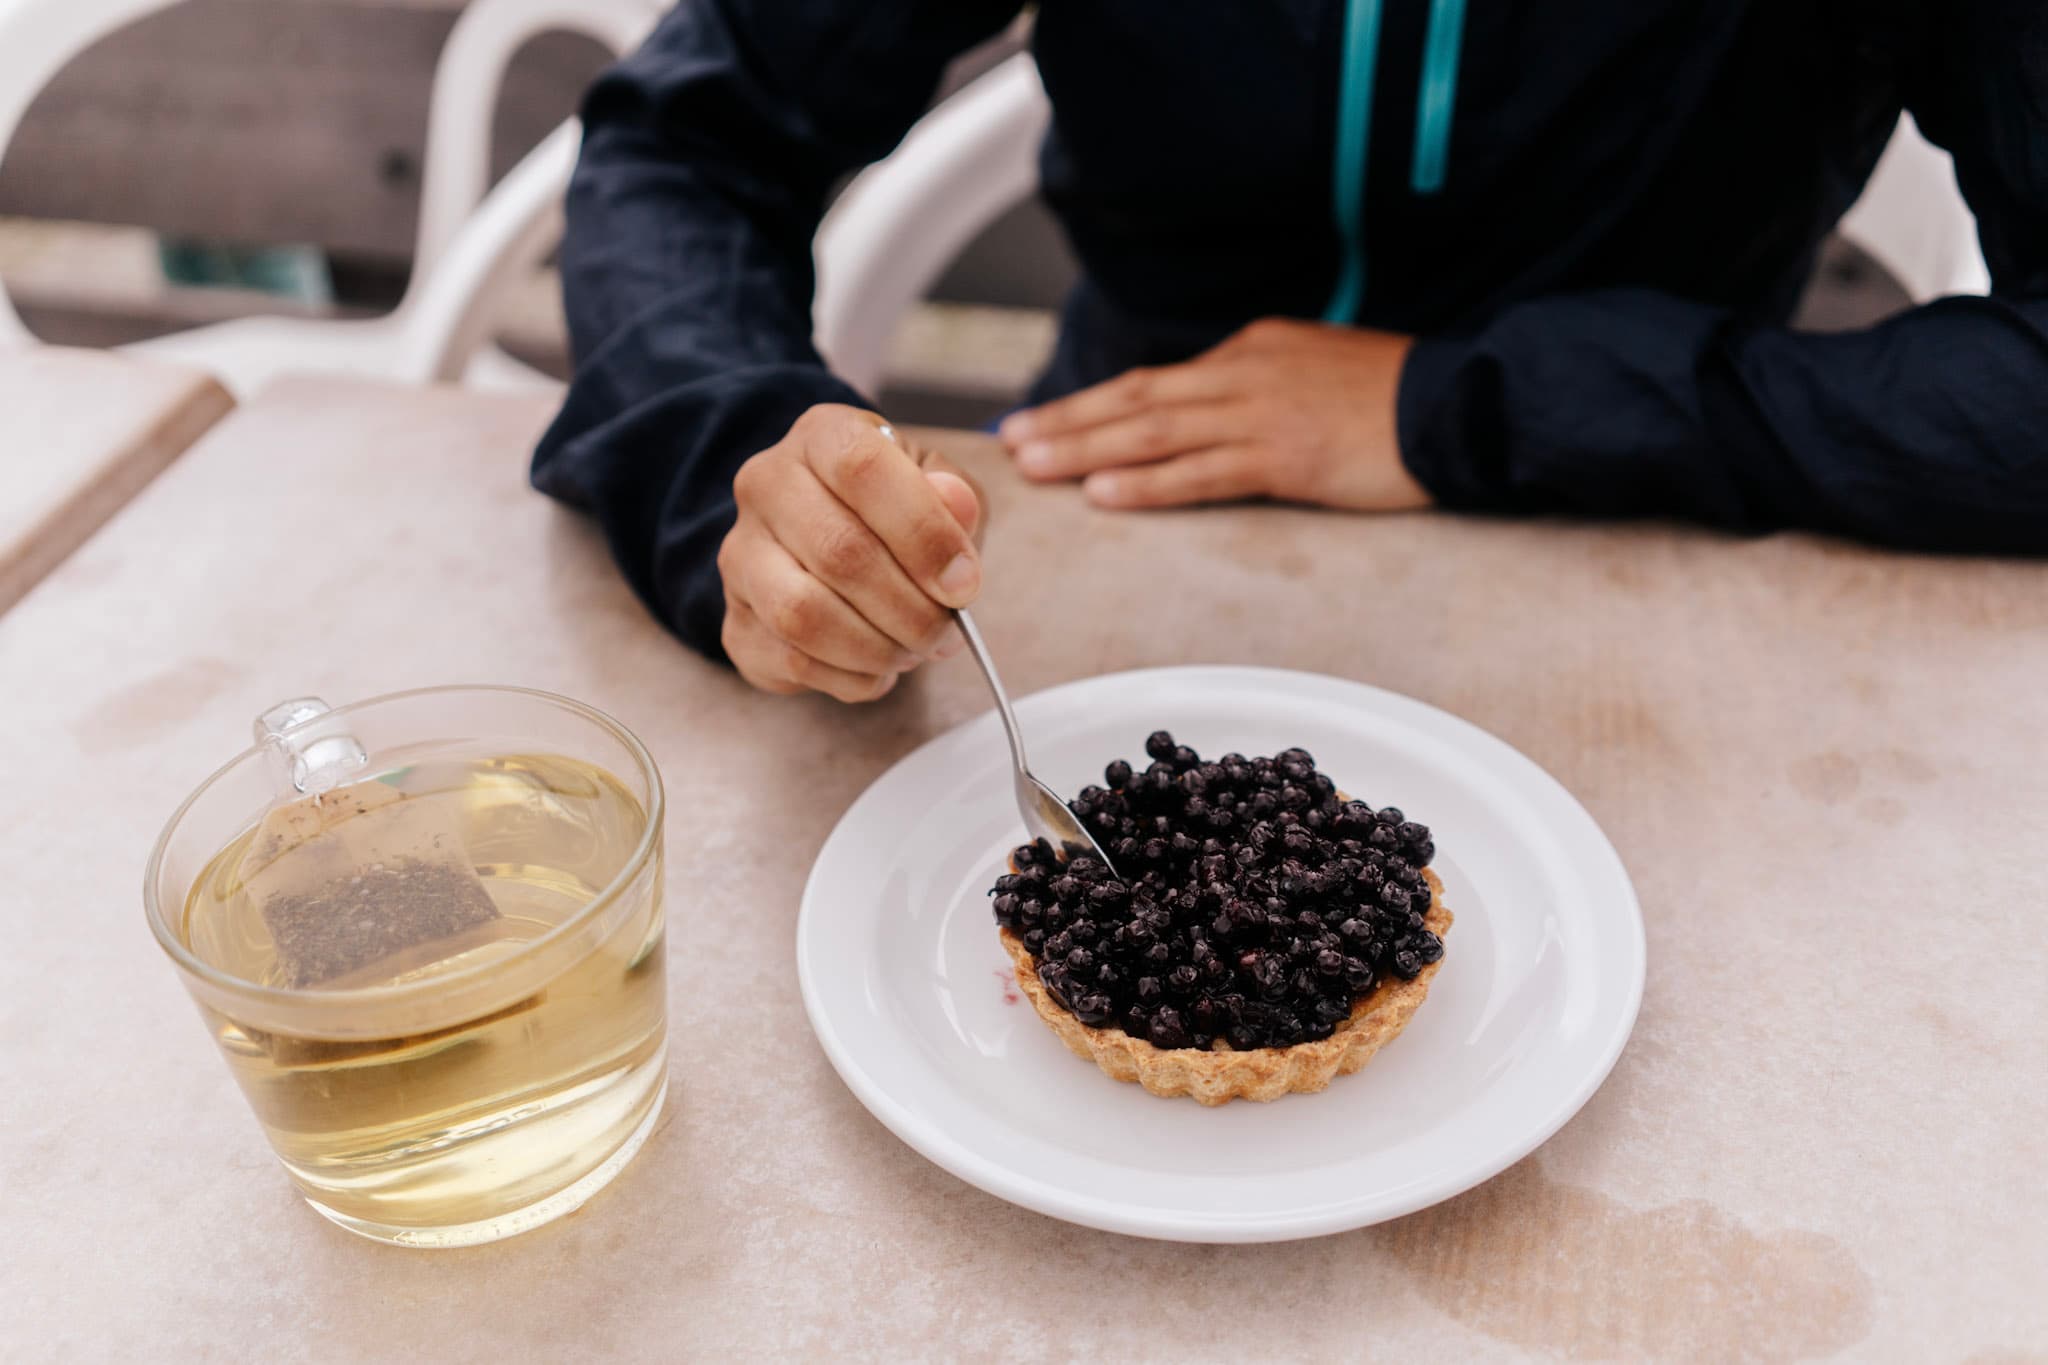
(1354, 134)
(1438, 95)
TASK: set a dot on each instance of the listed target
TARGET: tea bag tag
(357, 882)
(313, 760)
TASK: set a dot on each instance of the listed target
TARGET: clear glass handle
(312, 757)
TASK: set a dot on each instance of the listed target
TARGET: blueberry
(1167, 1029)
(1093, 1010)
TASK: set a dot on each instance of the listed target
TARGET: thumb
(958, 497)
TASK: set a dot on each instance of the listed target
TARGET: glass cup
(426, 931)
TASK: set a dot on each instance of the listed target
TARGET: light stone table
(1824, 766)
(80, 433)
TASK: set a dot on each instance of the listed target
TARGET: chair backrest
(448, 318)
(474, 246)
(472, 66)
(37, 39)
(901, 222)
(1912, 219)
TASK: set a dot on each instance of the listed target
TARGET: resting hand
(1292, 410)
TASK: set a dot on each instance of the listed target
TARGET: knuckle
(1138, 385)
(927, 625)
(795, 665)
(934, 540)
(845, 553)
(1154, 429)
(1253, 473)
(793, 616)
(729, 554)
(746, 482)
(816, 418)
(1264, 331)
(855, 459)
(863, 687)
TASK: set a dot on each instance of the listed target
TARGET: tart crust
(1223, 1074)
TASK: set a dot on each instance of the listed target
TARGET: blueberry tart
(1267, 933)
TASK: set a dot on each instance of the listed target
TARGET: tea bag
(361, 884)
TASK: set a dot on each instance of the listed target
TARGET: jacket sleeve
(686, 265)
(1926, 431)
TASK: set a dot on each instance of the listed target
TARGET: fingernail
(958, 580)
(949, 646)
(1035, 457)
(1102, 487)
(905, 661)
(1016, 427)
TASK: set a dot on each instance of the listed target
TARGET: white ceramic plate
(911, 996)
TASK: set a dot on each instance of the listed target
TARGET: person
(1369, 255)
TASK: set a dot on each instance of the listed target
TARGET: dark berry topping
(1256, 908)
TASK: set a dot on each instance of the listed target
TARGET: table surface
(80, 433)
(1821, 764)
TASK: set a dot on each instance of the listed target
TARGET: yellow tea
(424, 1129)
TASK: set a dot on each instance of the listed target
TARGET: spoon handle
(979, 650)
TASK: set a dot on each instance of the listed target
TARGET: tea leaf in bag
(363, 884)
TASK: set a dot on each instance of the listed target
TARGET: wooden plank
(84, 431)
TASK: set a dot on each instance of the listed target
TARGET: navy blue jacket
(1595, 217)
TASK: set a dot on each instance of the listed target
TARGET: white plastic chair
(471, 246)
(904, 219)
(37, 37)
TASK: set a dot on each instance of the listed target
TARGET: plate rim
(997, 1179)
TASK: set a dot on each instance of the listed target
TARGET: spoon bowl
(1045, 815)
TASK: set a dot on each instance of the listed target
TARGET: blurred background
(230, 158)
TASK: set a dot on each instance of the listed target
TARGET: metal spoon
(1045, 815)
